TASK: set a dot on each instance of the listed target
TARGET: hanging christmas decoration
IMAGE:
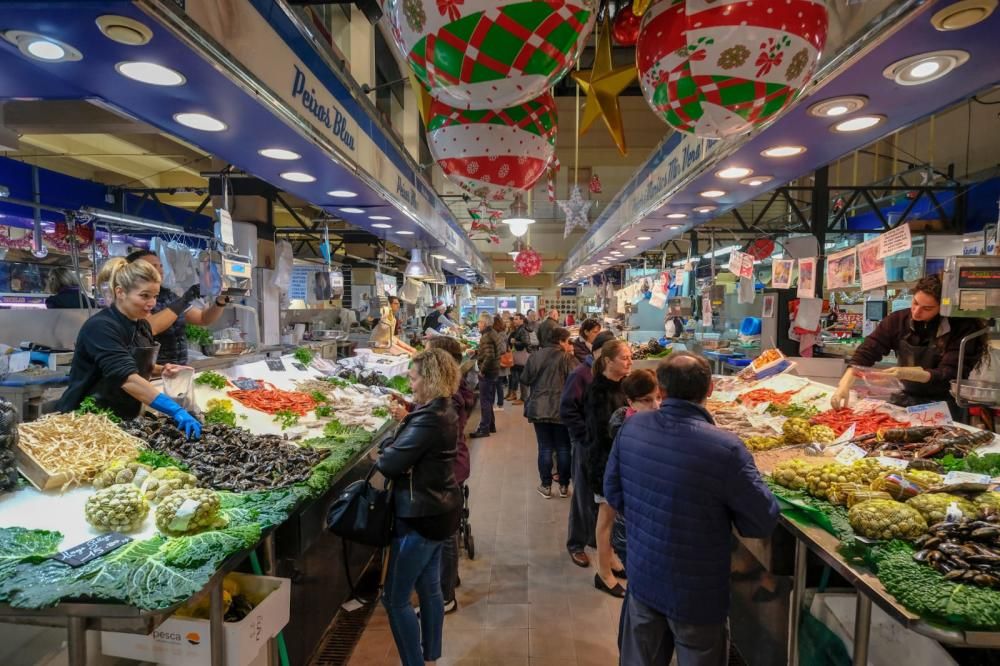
(625, 28)
(602, 85)
(490, 54)
(528, 262)
(639, 7)
(423, 97)
(491, 153)
(550, 175)
(9, 242)
(595, 184)
(61, 239)
(715, 70)
(575, 208)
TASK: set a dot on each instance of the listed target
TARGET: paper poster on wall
(841, 269)
(894, 241)
(872, 267)
(658, 300)
(735, 262)
(781, 273)
(807, 278)
(706, 311)
(770, 300)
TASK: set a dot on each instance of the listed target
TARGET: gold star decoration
(602, 85)
(423, 97)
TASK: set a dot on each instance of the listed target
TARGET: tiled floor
(522, 601)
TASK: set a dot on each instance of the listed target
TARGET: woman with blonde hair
(420, 460)
(115, 352)
(64, 285)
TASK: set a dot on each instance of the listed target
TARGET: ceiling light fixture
(124, 30)
(379, 217)
(675, 226)
(342, 194)
(838, 106)
(677, 216)
(349, 209)
(298, 177)
(200, 121)
(518, 220)
(756, 181)
(40, 47)
(439, 256)
(624, 242)
(644, 238)
(857, 124)
(416, 268)
(963, 14)
(734, 172)
(450, 261)
(925, 67)
(382, 226)
(713, 194)
(151, 73)
(630, 246)
(278, 154)
(704, 209)
(405, 233)
(783, 151)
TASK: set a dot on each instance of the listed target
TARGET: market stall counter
(261, 488)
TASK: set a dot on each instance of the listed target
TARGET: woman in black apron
(926, 346)
(115, 352)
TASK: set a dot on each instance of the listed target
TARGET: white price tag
(953, 478)
(933, 413)
(850, 454)
(847, 435)
(761, 407)
(887, 461)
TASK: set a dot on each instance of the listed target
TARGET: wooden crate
(39, 477)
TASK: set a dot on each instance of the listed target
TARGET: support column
(410, 127)
(362, 51)
(820, 219)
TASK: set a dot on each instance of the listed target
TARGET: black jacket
(68, 298)
(420, 459)
(520, 339)
(602, 399)
(544, 330)
(488, 353)
(546, 373)
(581, 350)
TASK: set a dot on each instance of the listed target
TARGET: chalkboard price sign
(275, 365)
(91, 550)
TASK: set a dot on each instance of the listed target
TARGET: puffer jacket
(546, 373)
(420, 458)
(602, 399)
(520, 339)
(683, 484)
(571, 401)
(488, 353)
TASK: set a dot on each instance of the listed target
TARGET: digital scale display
(979, 278)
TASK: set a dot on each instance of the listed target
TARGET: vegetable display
(89, 406)
(220, 411)
(198, 334)
(118, 508)
(8, 441)
(286, 418)
(886, 519)
(303, 355)
(213, 379)
(935, 507)
(77, 445)
(189, 510)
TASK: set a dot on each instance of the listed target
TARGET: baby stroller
(465, 529)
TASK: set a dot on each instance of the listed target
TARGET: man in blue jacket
(682, 484)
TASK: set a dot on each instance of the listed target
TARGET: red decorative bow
(451, 7)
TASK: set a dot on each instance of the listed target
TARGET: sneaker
(545, 491)
(450, 606)
(564, 491)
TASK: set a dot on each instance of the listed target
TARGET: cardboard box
(186, 641)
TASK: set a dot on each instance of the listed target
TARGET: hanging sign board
(658, 300)
(894, 241)
(781, 273)
(841, 269)
(807, 278)
(706, 311)
(872, 266)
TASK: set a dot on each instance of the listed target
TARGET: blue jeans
(553, 437)
(415, 563)
(487, 394)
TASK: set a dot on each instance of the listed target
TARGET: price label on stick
(850, 454)
(888, 461)
(953, 478)
(931, 414)
(90, 550)
(847, 435)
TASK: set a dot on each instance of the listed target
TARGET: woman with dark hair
(420, 460)
(926, 346)
(583, 347)
(64, 285)
(488, 356)
(546, 372)
(603, 397)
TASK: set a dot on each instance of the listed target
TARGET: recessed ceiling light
(379, 217)
(450, 261)
(405, 233)
(200, 121)
(964, 14)
(43, 49)
(382, 226)
(734, 172)
(278, 154)
(704, 209)
(677, 216)
(124, 30)
(298, 177)
(351, 210)
(630, 246)
(925, 67)
(675, 226)
(151, 73)
(342, 194)
(624, 242)
(837, 106)
(644, 238)
(756, 181)
(783, 151)
(713, 194)
(857, 124)
(439, 256)
(40, 47)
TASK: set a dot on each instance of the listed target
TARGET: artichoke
(189, 510)
(886, 519)
(796, 430)
(934, 506)
(119, 508)
(166, 480)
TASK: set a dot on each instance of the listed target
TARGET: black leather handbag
(363, 513)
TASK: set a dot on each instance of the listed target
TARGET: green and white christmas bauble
(494, 152)
(717, 68)
(490, 54)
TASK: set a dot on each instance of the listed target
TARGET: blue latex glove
(185, 422)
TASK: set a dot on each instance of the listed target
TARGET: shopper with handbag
(520, 342)
(419, 460)
(506, 359)
(488, 357)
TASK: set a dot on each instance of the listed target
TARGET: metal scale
(971, 288)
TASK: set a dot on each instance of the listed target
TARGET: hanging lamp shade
(518, 219)
(416, 268)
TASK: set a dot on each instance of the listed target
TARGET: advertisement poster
(894, 241)
(706, 311)
(781, 273)
(740, 264)
(770, 300)
(807, 278)
(841, 269)
(872, 267)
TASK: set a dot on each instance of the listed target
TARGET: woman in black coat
(420, 460)
(604, 396)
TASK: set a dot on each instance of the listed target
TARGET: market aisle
(522, 601)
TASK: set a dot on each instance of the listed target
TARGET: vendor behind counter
(926, 345)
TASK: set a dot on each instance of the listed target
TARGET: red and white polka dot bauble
(716, 68)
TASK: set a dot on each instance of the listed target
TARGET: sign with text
(872, 266)
(894, 241)
(568, 291)
(91, 550)
(807, 278)
(931, 414)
